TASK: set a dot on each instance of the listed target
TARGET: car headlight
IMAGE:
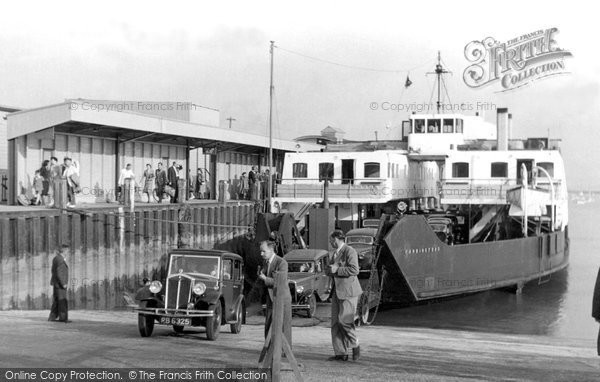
(300, 289)
(155, 286)
(199, 289)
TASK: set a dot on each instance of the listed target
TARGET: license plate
(175, 321)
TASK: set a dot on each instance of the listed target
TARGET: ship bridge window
(448, 125)
(459, 126)
(433, 125)
(548, 166)
(499, 170)
(326, 171)
(460, 170)
(372, 170)
(419, 126)
(299, 170)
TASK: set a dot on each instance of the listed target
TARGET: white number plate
(175, 321)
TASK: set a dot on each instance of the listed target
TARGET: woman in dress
(148, 182)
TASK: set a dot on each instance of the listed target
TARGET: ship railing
(488, 189)
(338, 188)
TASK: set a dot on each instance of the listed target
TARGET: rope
(369, 286)
(352, 66)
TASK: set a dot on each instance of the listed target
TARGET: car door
(228, 288)
(322, 281)
(238, 282)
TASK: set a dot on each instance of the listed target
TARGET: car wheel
(213, 324)
(145, 325)
(178, 328)
(312, 303)
(237, 327)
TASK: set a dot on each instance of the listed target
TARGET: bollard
(128, 193)
(59, 188)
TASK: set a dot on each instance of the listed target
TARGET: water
(560, 307)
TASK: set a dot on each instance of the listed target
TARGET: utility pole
(271, 91)
(230, 120)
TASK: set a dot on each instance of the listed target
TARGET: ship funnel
(503, 125)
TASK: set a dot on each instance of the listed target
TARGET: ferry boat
(463, 207)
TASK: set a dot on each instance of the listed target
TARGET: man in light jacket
(343, 269)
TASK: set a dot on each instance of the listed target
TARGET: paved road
(111, 339)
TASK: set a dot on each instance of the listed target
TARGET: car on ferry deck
(363, 240)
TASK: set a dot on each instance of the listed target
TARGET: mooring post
(59, 188)
(184, 237)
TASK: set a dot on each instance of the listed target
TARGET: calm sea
(560, 307)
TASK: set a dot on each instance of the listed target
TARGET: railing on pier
(338, 188)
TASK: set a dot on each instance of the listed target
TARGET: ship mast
(439, 72)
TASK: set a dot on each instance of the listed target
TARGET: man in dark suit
(343, 269)
(274, 264)
(173, 178)
(253, 183)
(161, 182)
(596, 306)
(59, 282)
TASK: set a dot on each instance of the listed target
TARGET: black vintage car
(202, 288)
(307, 279)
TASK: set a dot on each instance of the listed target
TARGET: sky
(217, 54)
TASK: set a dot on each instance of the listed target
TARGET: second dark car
(307, 279)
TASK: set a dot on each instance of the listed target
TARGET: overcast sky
(217, 55)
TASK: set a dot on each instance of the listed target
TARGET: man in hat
(59, 281)
(343, 269)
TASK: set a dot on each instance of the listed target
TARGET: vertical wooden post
(277, 326)
(60, 192)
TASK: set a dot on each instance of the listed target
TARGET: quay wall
(111, 250)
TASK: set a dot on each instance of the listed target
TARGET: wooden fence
(111, 250)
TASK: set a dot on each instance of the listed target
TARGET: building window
(499, 170)
(326, 171)
(548, 166)
(448, 125)
(299, 170)
(372, 170)
(433, 125)
(459, 126)
(419, 126)
(460, 170)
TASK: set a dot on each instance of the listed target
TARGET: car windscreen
(194, 264)
(359, 239)
(305, 267)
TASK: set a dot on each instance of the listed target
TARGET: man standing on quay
(274, 264)
(343, 269)
(59, 281)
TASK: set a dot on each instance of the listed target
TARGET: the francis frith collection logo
(514, 63)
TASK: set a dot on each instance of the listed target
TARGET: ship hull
(422, 267)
